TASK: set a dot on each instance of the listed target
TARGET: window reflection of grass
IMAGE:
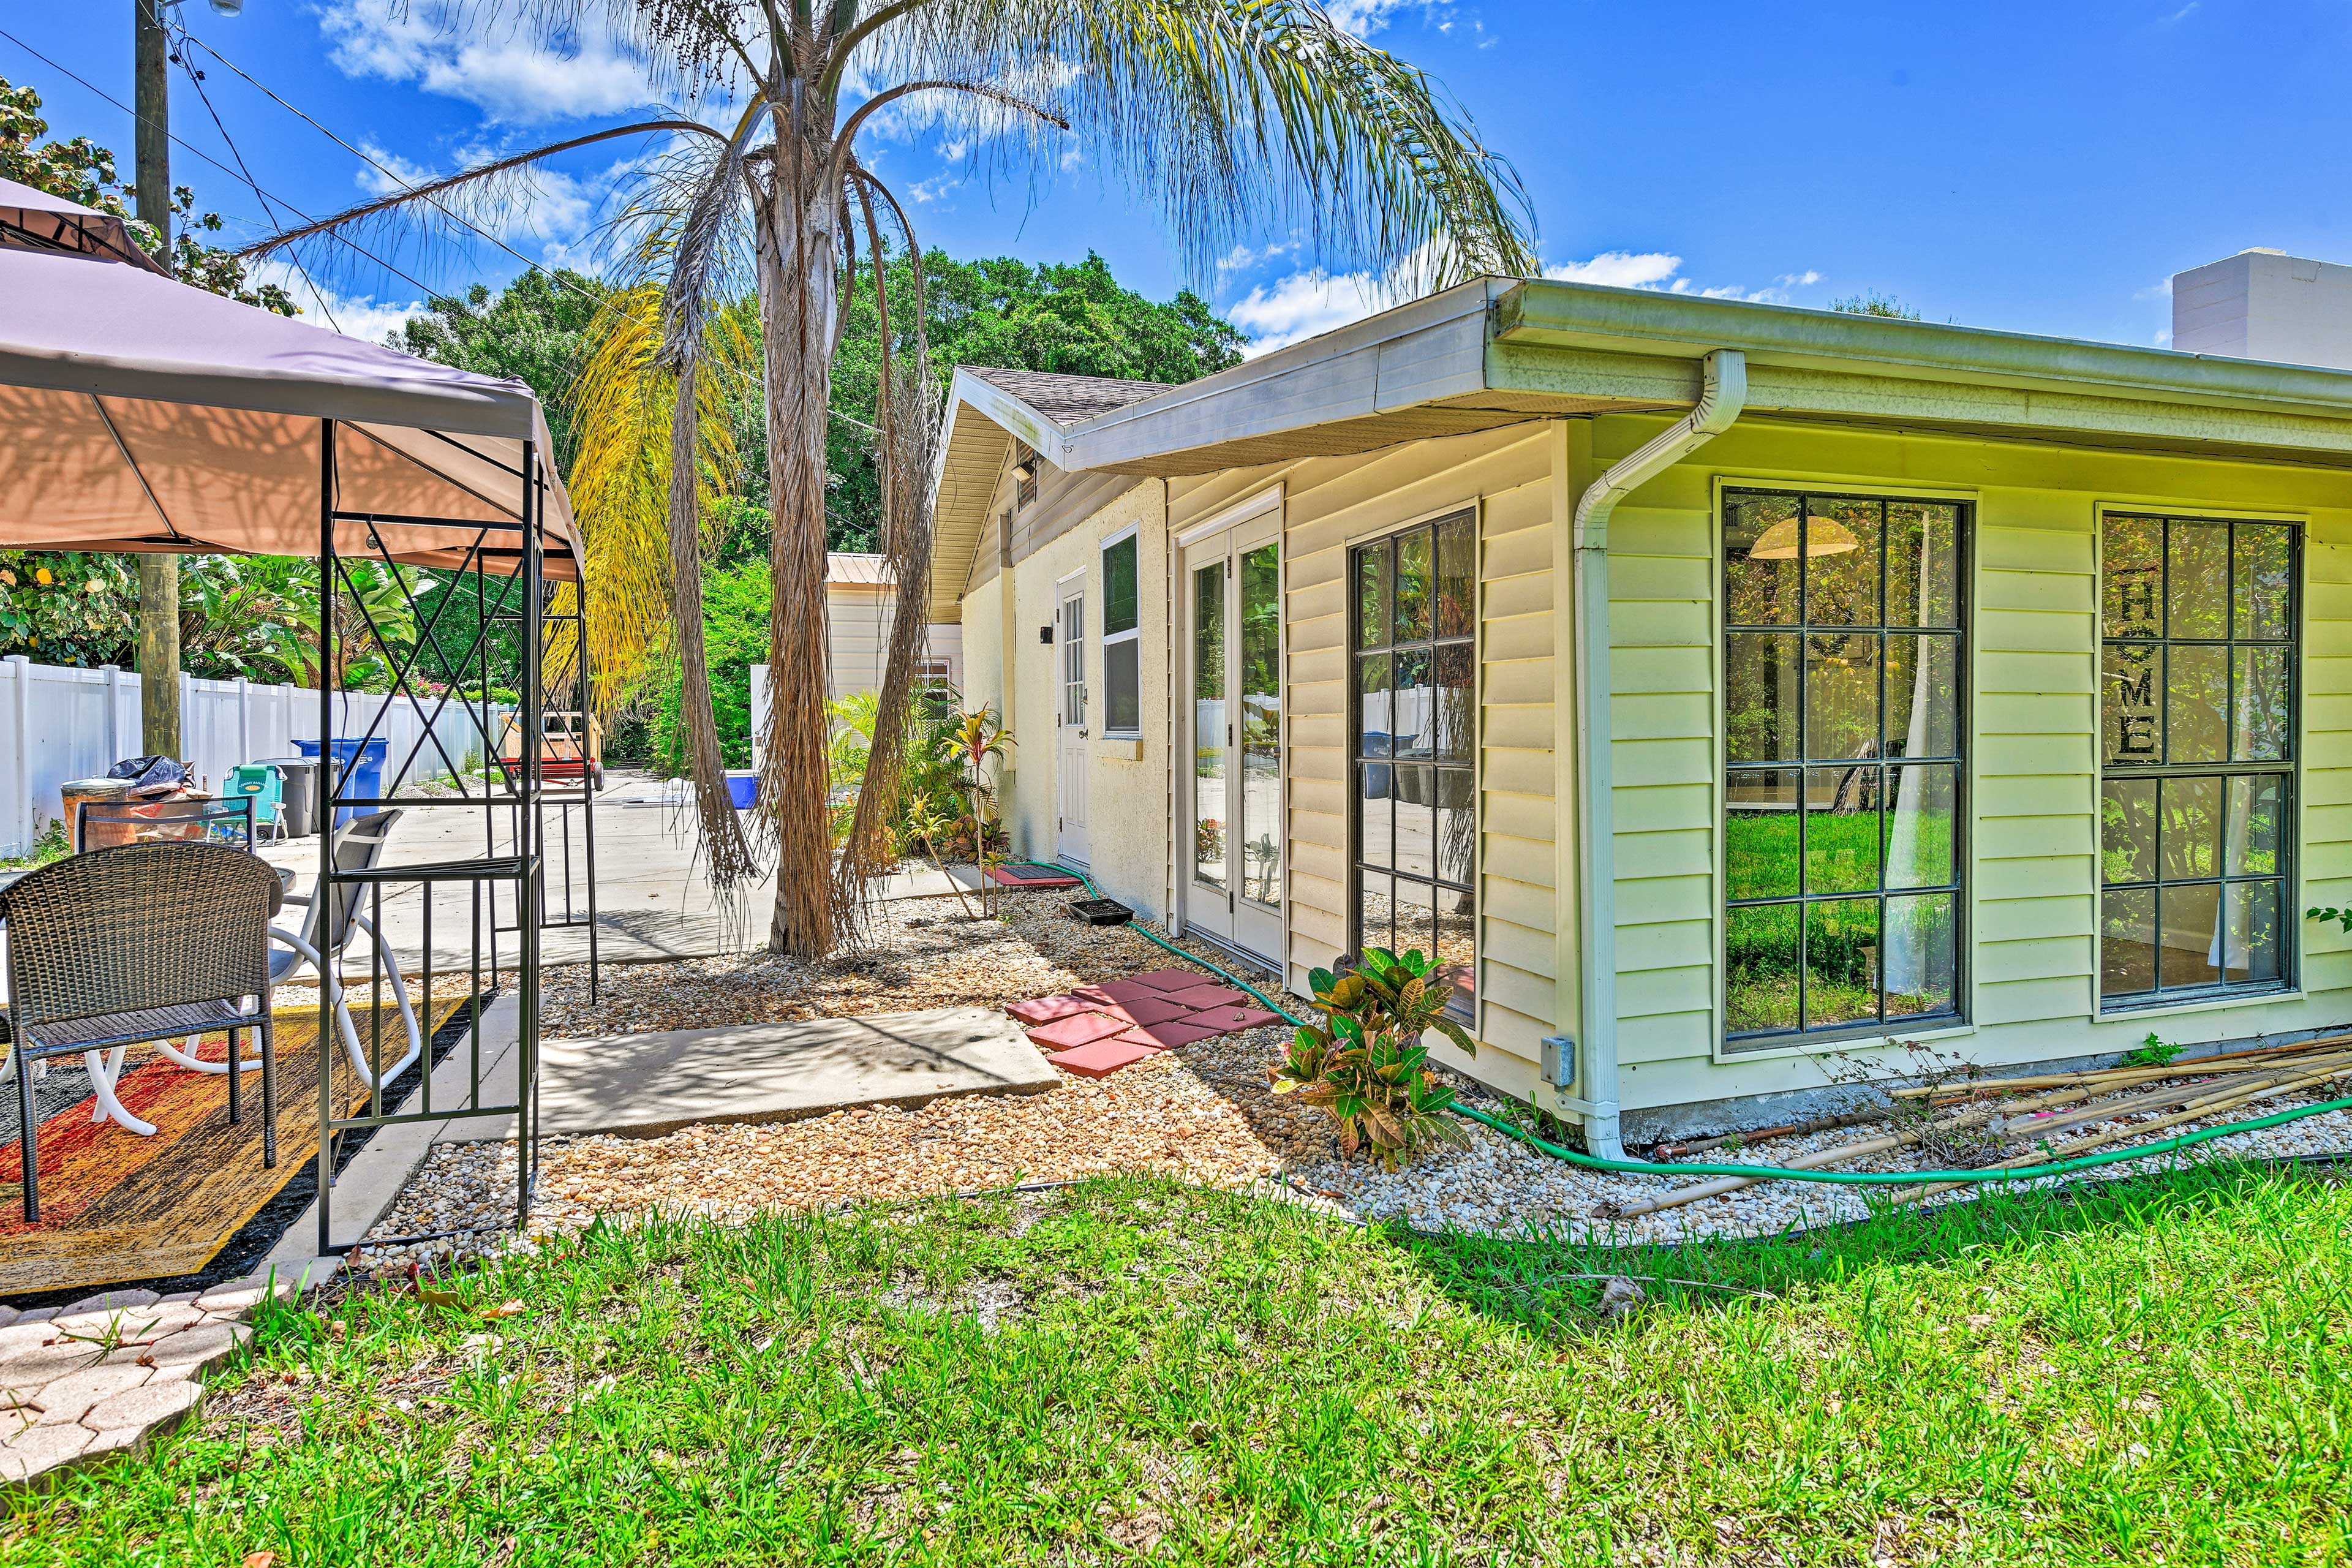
(1760, 850)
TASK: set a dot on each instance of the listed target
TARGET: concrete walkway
(654, 895)
(646, 1084)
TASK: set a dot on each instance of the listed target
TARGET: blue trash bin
(1378, 782)
(358, 772)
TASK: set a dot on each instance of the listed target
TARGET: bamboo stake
(2197, 1112)
(2175, 1094)
(2115, 1075)
(1836, 1154)
(1765, 1134)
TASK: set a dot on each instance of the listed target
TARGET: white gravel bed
(1500, 1186)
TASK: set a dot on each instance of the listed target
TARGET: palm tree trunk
(798, 257)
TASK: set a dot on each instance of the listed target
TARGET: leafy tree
(1874, 303)
(1074, 319)
(535, 331)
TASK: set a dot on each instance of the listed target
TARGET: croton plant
(1365, 1062)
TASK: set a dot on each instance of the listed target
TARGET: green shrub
(1365, 1063)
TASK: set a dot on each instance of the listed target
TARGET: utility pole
(159, 573)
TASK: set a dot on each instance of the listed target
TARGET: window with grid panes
(1416, 728)
(1843, 673)
(2197, 753)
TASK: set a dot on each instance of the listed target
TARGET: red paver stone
(1167, 1036)
(1129, 990)
(1092, 996)
(1226, 1019)
(1081, 1029)
(1099, 1058)
(1203, 997)
(1156, 1010)
(1045, 1009)
(1170, 979)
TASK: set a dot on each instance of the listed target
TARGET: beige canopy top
(139, 414)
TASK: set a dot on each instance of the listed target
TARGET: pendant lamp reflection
(1825, 537)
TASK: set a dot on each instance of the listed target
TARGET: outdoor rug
(116, 1207)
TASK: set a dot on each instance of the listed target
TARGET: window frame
(2288, 770)
(1132, 638)
(1464, 1008)
(1762, 1044)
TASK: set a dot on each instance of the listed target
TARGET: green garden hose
(1768, 1173)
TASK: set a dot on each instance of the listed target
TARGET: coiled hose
(1766, 1172)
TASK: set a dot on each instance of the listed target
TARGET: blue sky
(2039, 167)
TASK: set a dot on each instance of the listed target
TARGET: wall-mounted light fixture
(1026, 468)
(1045, 636)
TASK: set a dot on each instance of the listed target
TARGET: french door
(1070, 727)
(1230, 851)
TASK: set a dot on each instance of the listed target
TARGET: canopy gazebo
(137, 414)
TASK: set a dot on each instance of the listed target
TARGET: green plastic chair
(262, 782)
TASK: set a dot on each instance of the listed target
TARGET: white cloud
(2163, 338)
(1365, 17)
(1661, 269)
(1305, 304)
(1240, 258)
(556, 211)
(2179, 17)
(2160, 290)
(1620, 269)
(354, 315)
(500, 67)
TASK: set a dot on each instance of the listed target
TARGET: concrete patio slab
(646, 1084)
(654, 897)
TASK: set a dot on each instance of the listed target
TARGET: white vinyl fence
(58, 724)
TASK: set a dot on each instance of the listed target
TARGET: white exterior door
(1231, 846)
(1070, 727)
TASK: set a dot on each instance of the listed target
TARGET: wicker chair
(139, 944)
(329, 929)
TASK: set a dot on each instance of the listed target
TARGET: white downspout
(1723, 393)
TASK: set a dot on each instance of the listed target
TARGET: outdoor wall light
(1026, 468)
(1045, 636)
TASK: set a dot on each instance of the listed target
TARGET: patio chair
(111, 824)
(145, 942)
(264, 787)
(328, 931)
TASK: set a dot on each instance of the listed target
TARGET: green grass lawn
(2161, 1372)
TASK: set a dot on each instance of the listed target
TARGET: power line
(429, 292)
(380, 167)
(196, 80)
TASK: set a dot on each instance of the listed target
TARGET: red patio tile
(1156, 1010)
(1209, 995)
(1127, 990)
(1080, 1029)
(1092, 996)
(1226, 1019)
(1045, 1009)
(1170, 979)
(1099, 1058)
(1167, 1036)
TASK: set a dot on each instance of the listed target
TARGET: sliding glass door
(1230, 849)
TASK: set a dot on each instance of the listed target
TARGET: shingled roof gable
(1067, 399)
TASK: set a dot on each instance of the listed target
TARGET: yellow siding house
(1728, 693)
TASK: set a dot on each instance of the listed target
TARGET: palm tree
(1236, 116)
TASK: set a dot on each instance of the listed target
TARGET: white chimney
(2265, 304)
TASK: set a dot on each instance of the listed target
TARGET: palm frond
(1242, 116)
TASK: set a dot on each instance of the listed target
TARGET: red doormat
(1030, 876)
(1097, 1029)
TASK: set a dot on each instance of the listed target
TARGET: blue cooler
(358, 772)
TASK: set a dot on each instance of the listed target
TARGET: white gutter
(1723, 393)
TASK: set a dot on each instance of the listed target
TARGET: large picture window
(1415, 739)
(1843, 669)
(2197, 749)
(1122, 644)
